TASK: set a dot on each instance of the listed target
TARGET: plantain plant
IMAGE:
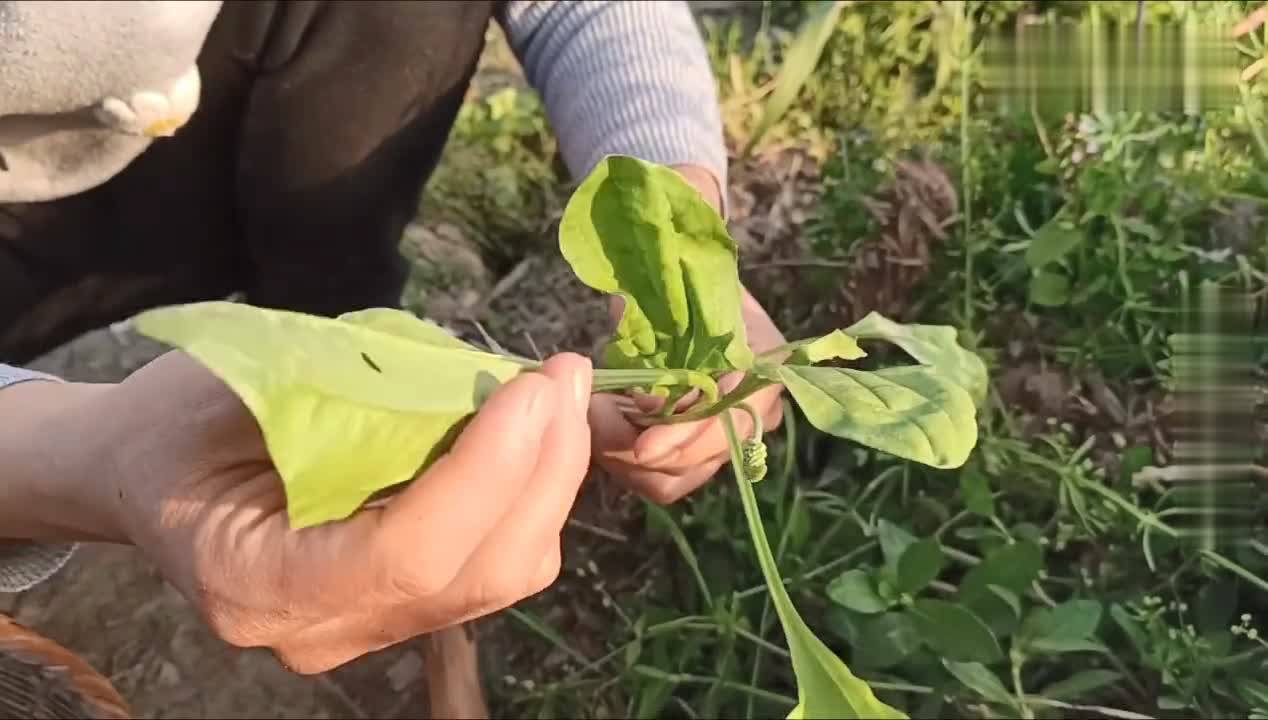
(355, 405)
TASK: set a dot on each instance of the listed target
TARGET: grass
(1055, 577)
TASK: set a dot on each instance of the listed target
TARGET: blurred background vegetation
(1050, 576)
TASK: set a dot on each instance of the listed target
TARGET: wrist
(53, 485)
(704, 181)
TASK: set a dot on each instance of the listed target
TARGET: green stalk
(610, 380)
(749, 385)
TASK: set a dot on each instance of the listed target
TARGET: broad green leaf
(1009, 598)
(932, 345)
(978, 678)
(1071, 620)
(975, 490)
(826, 688)
(911, 412)
(1081, 684)
(836, 345)
(885, 640)
(855, 590)
(1052, 241)
(406, 325)
(1049, 289)
(920, 565)
(1013, 567)
(640, 231)
(894, 541)
(955, 632)
(348, 406)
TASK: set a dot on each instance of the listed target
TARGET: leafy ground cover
(1055, 574)
(1049, 576)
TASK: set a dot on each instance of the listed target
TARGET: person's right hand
(185, 469)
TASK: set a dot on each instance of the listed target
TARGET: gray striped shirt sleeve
(629, 77)
(22, 564)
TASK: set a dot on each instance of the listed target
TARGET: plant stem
(1017, 688)
(749, 385)
(609, 380)
(966, 189)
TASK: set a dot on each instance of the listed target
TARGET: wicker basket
(40, 679)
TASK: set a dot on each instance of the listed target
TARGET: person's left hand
(665, 463)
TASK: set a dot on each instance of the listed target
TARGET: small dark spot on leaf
(371, 363)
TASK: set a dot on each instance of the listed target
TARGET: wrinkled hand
(668, 462)
(477, 532)
(665, 463)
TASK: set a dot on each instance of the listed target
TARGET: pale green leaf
(978, 678)
(855, 590)
(640, 231)
(406, 325)
(347, 407)
(933, 345)
(836, 345)
(911, 412)
(826, 688)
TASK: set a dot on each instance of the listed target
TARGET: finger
(707, 439)
(660, 487)
(506, 566)
(612, 433)
(650, 403)
(428, 532)
(479, 585)
(662, 441)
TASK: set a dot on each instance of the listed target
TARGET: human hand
(665, 463)
(192, 486)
